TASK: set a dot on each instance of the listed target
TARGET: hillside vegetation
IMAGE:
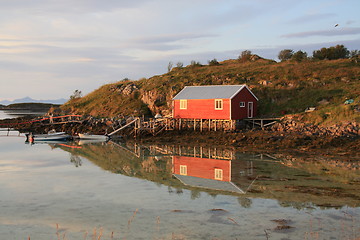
(288, 87)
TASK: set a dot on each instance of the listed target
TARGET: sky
(50, 48)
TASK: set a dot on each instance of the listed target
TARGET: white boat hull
(58, 136)
(93, 137)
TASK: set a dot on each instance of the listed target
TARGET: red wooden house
(228, 102)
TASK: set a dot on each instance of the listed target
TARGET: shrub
(285, 54)
(245, 56)
(299, 56)
(331, 53)
(213, 62)
(195, 64)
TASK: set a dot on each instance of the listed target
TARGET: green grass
(290, 87)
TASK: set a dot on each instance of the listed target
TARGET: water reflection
(14, 113)
(72, 185)
(225, 171)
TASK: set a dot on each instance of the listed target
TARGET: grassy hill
(287, 87)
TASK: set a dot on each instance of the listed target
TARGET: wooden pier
(262, 122)
(141, 126)
(137, 126)
(155, 126)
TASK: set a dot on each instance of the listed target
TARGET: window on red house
(183, 104)
(218, 104)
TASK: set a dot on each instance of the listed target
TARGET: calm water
(128, 191)
(5, 114)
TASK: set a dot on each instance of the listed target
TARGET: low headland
(29, 106)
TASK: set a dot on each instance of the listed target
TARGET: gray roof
(210, 92)
(208, 183)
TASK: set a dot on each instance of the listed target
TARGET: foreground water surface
(87, 190)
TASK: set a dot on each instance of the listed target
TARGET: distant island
(43, 107)
(31, 100)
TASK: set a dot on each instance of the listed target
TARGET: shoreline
(341, 142)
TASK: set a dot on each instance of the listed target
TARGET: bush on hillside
(331, 53)
(245, 56)
(285, 54)
(299, 56)
(213, 62)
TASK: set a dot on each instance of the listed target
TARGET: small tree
(193, 63)
(245, 56)
(170, 66)
(285, 54)
(76, 94)
(355, 55)
(179, 64)
(320, 54)
(213, 62)
(299, 56)
(331, 53)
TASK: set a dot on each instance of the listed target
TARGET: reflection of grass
(294, 183)
(300, 184)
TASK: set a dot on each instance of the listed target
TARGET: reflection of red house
(204, 173)
(230, 102)
(202, 167)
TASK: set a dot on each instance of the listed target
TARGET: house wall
(201, 109)
(238, 112)
(202, 167)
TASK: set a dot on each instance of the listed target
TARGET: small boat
(50, 136)
(87, 136)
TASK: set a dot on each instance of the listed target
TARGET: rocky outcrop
(287, 124)
(128, 89)
(157, 102)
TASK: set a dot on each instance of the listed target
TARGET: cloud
(166, 42)
(312, 17)
(68, 6)
(333, 32)
(169, 38)
(349, 22)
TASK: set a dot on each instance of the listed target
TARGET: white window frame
(219, 104)
(183, 170)
(218, 174)
(242, 104)
(183, 103)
